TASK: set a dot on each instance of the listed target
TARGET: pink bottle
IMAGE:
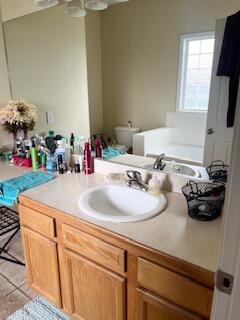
(98, 148)
(87, 159)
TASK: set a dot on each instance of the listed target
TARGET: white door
(218, 136)
(227, 306)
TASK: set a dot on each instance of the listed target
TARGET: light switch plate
(50, 117)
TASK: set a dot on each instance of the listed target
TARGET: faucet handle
(134, 175)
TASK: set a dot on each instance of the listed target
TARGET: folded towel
(10, 189)
(111, 152)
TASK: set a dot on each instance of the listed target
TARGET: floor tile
(15, 246)
(28, 291)
(11, 303)
(5, 287)
(14, 273)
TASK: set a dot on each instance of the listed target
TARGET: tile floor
(14, 291)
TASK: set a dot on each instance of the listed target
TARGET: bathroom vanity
(161, 268)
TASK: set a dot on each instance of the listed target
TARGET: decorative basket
(204, 199)
(218, 171)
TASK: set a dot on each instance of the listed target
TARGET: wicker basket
(204, 199)
(218, 171)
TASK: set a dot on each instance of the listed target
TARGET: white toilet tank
(124, 135)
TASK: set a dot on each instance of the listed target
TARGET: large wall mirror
(142, 72)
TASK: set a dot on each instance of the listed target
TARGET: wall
(94, 69)
(140, 47)
(48, 67)
(5, 93)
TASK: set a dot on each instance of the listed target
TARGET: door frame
(226, 307)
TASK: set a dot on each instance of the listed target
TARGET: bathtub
(181, 140)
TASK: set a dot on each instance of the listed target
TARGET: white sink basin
(120, 204)
(178, 168)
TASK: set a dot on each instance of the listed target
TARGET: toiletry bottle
(34, 156)
(98, 148)
(72, 139)
(43, 159)
(18, 148)
(60, 164)
(81, 145)
(27, 152)
(51, 165)
(61, 150)
(87, 159)
(154, 186)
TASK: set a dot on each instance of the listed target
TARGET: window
(195, 70)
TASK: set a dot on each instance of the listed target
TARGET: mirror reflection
(153, 87)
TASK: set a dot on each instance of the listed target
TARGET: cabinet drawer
(152, 307)
(94, 248)
(174, 287)
(37, 221)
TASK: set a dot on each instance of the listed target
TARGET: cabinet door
(96, 293)
(151, 307)
(42, 265)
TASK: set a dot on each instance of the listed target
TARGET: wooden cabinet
(96, 293)
(151, 307)
(37, 221)
(93, 248)
(95, 274)
(42, 265)
(174, 287)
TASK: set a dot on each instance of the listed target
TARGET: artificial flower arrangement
(18, 116)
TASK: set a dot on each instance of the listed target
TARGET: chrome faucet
(135, 180)
(159, 164)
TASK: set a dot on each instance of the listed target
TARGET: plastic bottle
(60, 164)
(81, 145)
(61, 150)
(72, 139)
(154, 186)
(98, 148)
(34, 156)
(87, 159)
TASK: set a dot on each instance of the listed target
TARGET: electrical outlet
(50, 117)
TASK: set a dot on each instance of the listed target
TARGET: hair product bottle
(98, 148)
(87, 159)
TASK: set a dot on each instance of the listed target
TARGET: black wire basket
(218, 171)
(204, 199)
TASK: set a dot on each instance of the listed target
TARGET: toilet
(124, 136)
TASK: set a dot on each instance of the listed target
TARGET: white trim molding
(182, 68)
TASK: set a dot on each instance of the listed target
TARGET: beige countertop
(172, 232)
(8, 171)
